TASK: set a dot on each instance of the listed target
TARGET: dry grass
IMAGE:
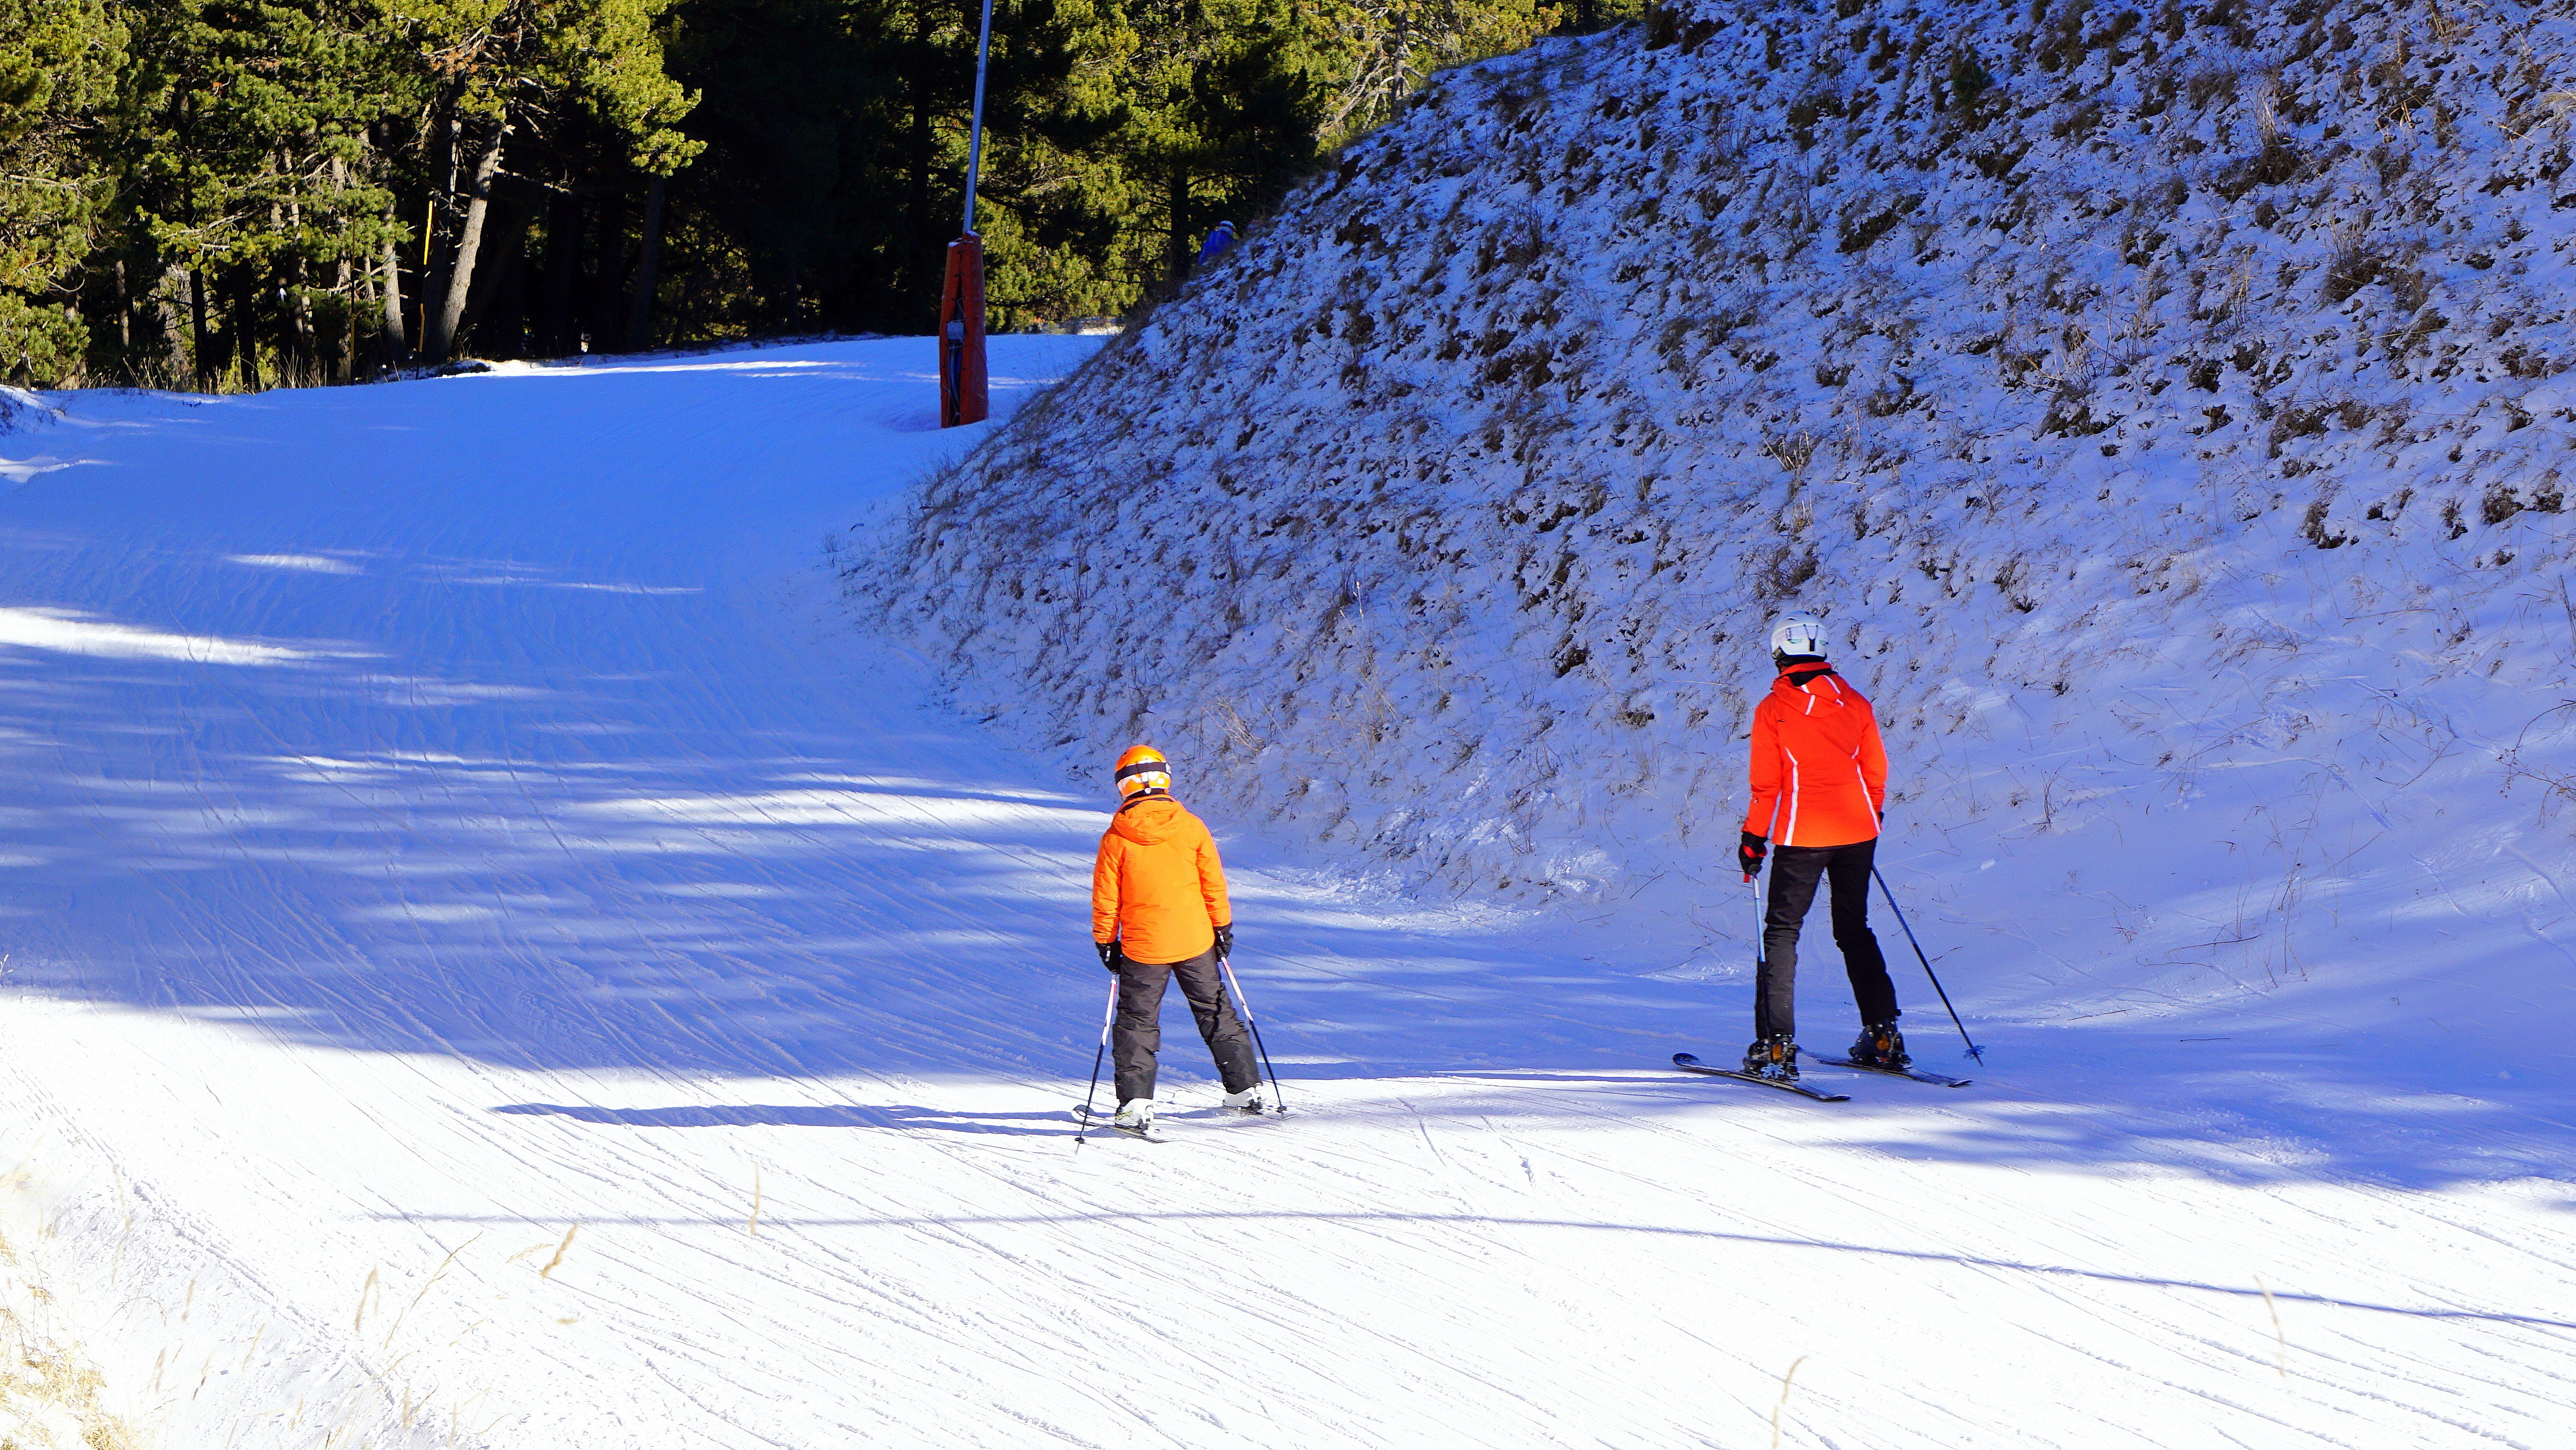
(561, 1249)
(2280, 1337)
(1784, 1399)
(51, 1397)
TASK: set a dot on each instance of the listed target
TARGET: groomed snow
(495, 962)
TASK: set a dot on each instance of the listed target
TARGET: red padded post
(964, 396)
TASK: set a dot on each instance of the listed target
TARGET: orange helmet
(1143, 771)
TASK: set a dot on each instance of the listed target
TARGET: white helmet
(1798, 635)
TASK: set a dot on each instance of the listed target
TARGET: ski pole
(1245, 1003)
(1107, 1016)
(1974, 1050)
(1761, 923)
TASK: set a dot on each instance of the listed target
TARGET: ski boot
(1773, 1057)
(1246, 1101)
(1136, 1115)
(1881, 1046)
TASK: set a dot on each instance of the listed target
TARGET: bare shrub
(2355, 265)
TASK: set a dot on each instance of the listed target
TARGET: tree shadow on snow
(591, 830)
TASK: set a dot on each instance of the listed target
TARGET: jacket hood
(1797, 677)
(1151, 821)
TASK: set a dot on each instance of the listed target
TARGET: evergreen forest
(236, 194)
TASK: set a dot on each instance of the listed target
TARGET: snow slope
(492, 962)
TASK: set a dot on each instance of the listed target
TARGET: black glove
(1225, 941)
(1108, 954)
(1749, 852)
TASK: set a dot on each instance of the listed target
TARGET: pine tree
(58, 65)
(510, 65)
(797, 187)
(243, 192)
(243, 141)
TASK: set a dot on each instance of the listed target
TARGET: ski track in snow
(494, 961)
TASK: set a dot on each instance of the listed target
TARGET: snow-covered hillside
(2166, 405)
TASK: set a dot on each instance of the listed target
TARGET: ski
(1150, 1134)
(1934, 1078)
(1219, 1114)
(1689, 1063)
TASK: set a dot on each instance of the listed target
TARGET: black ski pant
(1795, 870)
(1139, 1035)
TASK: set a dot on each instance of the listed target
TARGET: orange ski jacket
(1157, 888)
(1819, 769)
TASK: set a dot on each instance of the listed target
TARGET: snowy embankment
(2167, 407)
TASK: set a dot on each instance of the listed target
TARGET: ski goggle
(1145, 774)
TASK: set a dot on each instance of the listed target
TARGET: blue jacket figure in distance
(1216, 243)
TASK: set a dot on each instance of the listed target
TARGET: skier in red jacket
(1819, 791)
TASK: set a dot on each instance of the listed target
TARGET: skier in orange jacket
(1819, 792)
(1159, 911)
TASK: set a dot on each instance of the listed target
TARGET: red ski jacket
(1819, 770)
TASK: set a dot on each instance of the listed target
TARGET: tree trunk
(504, 328)
(918, 272)
(200, 337)
(343, 315)
(245, 328)
(608, 250)
(556, 336)
(391, 288)
(443, 338)
(1179, 201)
(201, 342)
(295, 353)
(302, 340)
(639, 312)
(165, 301)
(125, 319)
(438, 211)
(431, 230)
(499, 271)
